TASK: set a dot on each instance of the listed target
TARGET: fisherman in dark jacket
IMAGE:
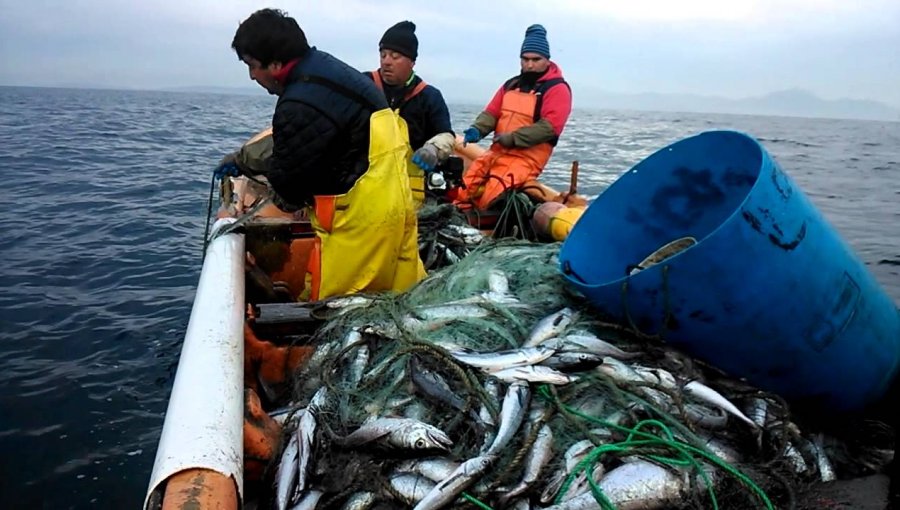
(324, 157)
(421, 105)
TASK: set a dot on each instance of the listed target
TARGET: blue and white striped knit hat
(536, 41)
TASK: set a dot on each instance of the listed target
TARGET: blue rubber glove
(229, 168)
(426, 157)
(471, 135)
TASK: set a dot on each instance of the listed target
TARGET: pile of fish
(490, 385)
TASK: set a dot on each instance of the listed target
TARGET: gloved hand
(228, 166)
(426, 157)
(506, 140)
(471, 135)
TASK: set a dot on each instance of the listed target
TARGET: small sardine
(826, 470)
(503, 359)
(497, 281)
(588, 343)
(398, 433)
(352, 301)
(309, 500)
(638, 485)
(573, 361)
(709, 418)
(450, 488)
(706, 394)
(581, 484)
(358, 366)
(360, 501)
(658, 377)
(534, 373)
(550, 326)
(457, 311)
(306, 437)
(286, 477)
(411, 488)
(430, 384)
(540, 454)
(470, 235)
(515, 405)
(435, 469)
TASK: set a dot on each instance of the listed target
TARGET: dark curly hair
(270, 35)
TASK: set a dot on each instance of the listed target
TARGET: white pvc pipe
(203, 427)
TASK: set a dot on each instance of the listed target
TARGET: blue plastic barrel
(769, 292)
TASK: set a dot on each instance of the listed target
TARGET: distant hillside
(791, 103)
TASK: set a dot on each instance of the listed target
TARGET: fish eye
(420, 443)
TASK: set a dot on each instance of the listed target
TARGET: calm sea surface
(101, 244)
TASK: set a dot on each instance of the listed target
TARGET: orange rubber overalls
(501, 168)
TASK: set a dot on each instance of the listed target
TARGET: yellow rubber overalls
(367, 238)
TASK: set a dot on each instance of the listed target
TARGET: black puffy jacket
(320, 129)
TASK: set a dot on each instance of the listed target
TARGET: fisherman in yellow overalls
(340, 150)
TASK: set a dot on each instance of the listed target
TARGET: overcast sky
(731, 48)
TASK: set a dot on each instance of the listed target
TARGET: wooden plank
(284, 313)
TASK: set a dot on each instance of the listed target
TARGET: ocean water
(101, 249)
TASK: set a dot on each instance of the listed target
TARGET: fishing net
(630, 402)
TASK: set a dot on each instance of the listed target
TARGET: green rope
(475, 501)
(639, 442)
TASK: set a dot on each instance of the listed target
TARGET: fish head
(431, 439)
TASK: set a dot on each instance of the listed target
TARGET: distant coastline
(785, 103)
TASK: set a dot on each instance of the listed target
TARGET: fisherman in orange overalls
(527, 115)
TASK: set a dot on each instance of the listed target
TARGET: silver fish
(540, 454)
(351, 301)
(498, 283)
(435, 469)
(826, 471)
(398, 433)
(309, 501)
(430, 384)
(657, 376)
(588, 343)
(358, 366)
(449, 489)
(286, 476)
(411, 488)
(457, 311)
(306, 437)
(708, 418)
(360, 501)
(503, 359)
(639, 485)
(580, 483)
(757, 410)
(573, 361)
(550, 326)
(515, 404)
(706, 394)
(470, 235)
(533, 373)
(492, 389)
(520, 504)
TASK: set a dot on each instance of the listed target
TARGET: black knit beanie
(401, 38)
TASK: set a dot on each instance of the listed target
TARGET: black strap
(541, 89)
(340, 89)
